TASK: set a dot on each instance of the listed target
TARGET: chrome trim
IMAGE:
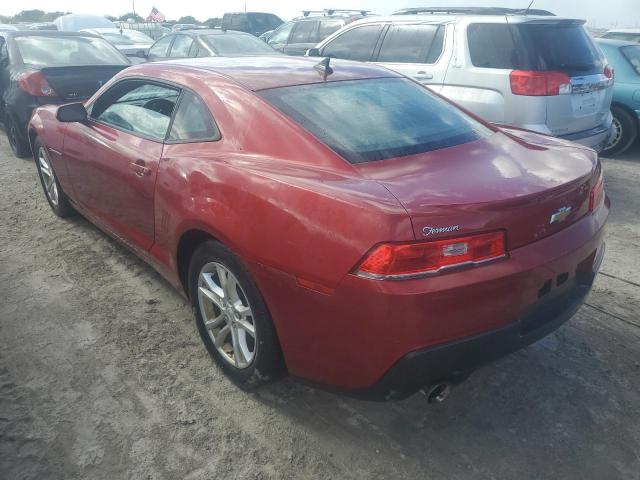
(410, 276)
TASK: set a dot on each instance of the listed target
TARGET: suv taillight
(597, 194)
(533, 83)
(35, 83)
(609, 71)
(389, 261)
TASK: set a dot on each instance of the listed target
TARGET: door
(415, 50)
(303, 37)
(113, 158)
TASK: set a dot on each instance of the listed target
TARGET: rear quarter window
(632, 54)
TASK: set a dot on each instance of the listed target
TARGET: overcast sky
(600, 13)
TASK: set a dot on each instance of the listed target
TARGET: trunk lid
(75, 83)
(500, 183)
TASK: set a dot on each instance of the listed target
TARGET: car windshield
(56, 51)
(230, 44)
(632, 53)
(129, 37)
(376, 119)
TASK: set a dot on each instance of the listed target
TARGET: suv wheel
(623, 134)
(232, 318)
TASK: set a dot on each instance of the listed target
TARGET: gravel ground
(103, 376)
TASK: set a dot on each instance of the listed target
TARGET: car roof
(210, 31)
(263, 72)
(616, 43)
(467, 18)
(624, 30)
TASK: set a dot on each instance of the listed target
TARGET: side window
(193, 51)
(329, 26)
(193, 121)
(281, 34)
(159, 49)
(181, 46)
(408, 43)
(304, 32)
(493, 45)
(137, 106)
(355, 44)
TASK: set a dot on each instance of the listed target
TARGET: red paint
(301, 218)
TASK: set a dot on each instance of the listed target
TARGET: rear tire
(19, 146)
(244, 345)
(58, 200)
(624, 132)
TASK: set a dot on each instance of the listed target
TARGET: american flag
(156, 15)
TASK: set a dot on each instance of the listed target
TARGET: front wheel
(232, 318)
(624, 132)
(57, 199)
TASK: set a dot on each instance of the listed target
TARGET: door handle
(422, 75)
(139, 168)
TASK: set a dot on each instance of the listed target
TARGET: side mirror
(313, 52)
(142, 54)
(72, 112)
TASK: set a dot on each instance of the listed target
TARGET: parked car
(302, 33)
(42, 67)
(337, 221)
(74, 23)
(183, 26)
(205, 43)
(255, 23)
(135, 45)
(538, 72)
(626, 34)
(7, 27)
(154, 30)
(624, 56)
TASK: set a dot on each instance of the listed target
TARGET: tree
(127, 16)
(111, 17)
(213, 22)
(187, 19)
(29, 16)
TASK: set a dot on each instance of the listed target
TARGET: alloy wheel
(616, 134)
(227, 315)
(48, 176)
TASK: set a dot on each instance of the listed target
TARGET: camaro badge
(560, 215)
(427, 231)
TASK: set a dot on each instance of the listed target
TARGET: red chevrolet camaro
(339, 222)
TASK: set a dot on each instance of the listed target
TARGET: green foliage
(187, 19)
(127, 16)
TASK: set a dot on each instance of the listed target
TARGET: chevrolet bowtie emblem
(560, 215)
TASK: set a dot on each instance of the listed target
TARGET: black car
(42, 67)
(302, 33)
(255, 23)
(208, 43)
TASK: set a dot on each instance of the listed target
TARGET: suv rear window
(534, 46)
(375, 119)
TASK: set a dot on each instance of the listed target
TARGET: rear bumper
(454, 361)
(595, 138)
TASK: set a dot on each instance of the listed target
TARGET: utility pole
(133, 3)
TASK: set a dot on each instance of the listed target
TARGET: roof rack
(473, 11)
(331, 11)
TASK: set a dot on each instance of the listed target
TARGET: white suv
(532, 70)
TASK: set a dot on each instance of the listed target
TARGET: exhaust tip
(438, 392)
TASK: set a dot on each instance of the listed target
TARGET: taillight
(597, 194)
(532, 83)
(609, 71)
(35, 83)
(406, 260)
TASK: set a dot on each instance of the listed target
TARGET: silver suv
(527, 69)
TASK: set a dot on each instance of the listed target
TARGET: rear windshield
(632, 53)
(375, 119)
(534, 46)
(229, 44)
(58, 51)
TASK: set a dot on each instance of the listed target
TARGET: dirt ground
(103, 376)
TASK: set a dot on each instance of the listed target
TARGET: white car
(135, 45)
(531, 70)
